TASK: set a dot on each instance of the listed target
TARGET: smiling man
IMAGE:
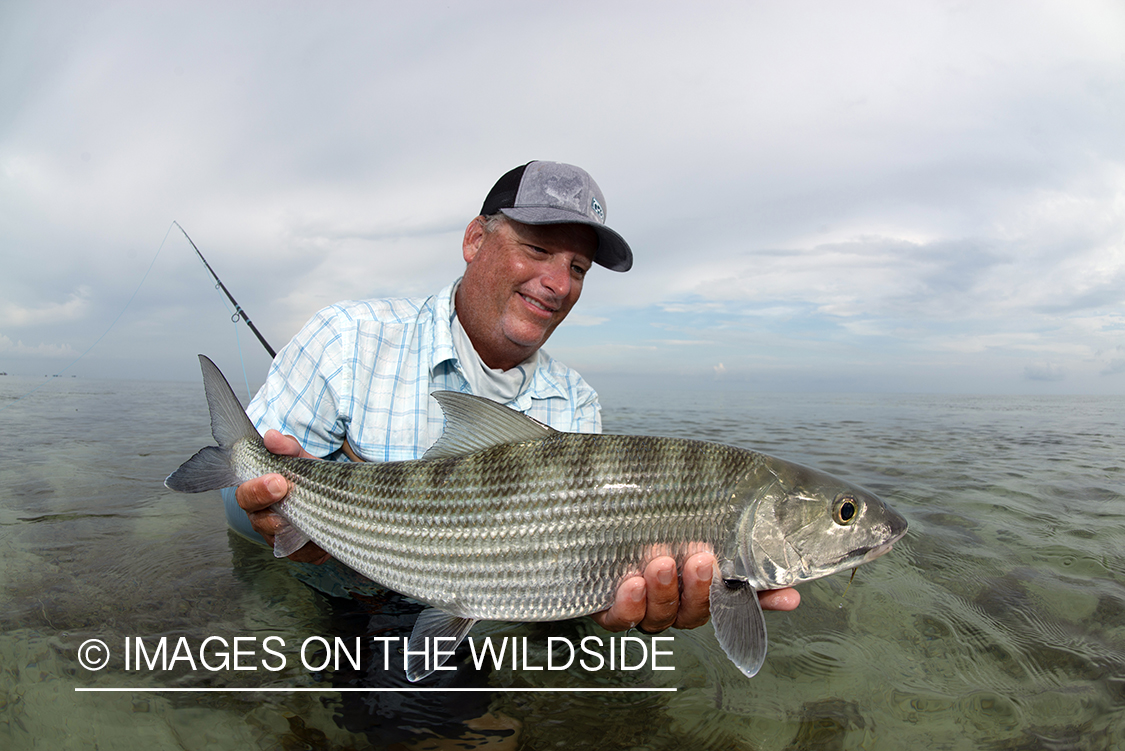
(521, 280)
(356, 380)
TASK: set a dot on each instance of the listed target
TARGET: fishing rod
(238, 311)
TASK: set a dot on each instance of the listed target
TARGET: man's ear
(474, 237)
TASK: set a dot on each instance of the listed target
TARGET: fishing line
(850, 578)
(111, 325)
(235, 315)
(238, 346)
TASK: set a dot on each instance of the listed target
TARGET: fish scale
(513, 548)
(507, 519)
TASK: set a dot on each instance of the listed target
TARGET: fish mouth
(877, 551)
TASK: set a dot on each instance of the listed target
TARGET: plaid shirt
(365, 370)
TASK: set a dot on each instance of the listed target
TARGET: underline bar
(418, 690)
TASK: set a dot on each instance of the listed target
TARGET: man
(356, 380)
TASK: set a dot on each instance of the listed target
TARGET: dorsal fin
(473, 424)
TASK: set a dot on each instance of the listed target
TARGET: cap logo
(597, 207)
(560, 191)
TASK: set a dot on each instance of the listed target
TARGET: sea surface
(997, 623)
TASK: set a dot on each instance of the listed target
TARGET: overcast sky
(922, 196)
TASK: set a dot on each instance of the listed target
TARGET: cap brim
(613, 252)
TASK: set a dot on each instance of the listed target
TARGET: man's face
(520, 283)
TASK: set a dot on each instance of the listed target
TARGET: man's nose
(556, 276)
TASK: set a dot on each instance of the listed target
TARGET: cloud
(41, 350)
(683, 342)
(897, 185)
(1114, 367)
(580, 319)
(76, 306)
(1044, 371)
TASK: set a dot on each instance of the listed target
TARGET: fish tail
(210, 468)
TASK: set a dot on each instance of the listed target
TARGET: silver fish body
(507, 519)
(530, 531)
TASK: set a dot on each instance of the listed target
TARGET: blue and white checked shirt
(365, 370)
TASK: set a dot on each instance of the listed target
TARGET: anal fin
(433, 624)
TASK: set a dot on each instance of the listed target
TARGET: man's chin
(528, 341)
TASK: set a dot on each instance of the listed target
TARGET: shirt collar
(443, 333)
(545, 384)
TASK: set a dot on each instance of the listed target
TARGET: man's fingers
(662, 598)
(262, 492)
(780, 599)
(310, 553)
(267, 523)
(628, 606)
(284, 445)
(695, 599)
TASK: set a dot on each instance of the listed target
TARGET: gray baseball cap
(557, 193)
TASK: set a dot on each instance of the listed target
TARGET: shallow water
(998, 623)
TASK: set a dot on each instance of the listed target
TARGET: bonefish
(507, 519)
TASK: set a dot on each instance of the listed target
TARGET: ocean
(997, 623)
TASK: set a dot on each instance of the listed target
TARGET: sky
(820, 196)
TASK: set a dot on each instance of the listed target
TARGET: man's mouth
(537, 304)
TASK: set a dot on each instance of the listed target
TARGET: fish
(507, 519)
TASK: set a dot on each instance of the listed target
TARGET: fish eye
(845, 510)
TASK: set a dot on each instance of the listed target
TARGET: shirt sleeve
(306, 386)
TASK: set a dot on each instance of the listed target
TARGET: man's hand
(257, 495)
(654, 602)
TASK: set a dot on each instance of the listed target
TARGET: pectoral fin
(739, 623)
(433, 623)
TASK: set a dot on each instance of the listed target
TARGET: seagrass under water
(988, 626)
